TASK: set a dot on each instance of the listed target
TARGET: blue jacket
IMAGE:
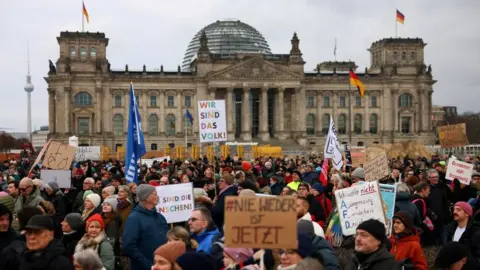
(145, 230)
(205, 240)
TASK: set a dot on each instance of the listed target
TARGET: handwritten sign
(212, 121)
(453, 135)
(40, 155)
(63, 178)
(377, 168)
(389, 194)
(359, 157)
(459, 170)
(176, 202)
(357, 204)
(88, 153)
(260, 222)
(59, 156)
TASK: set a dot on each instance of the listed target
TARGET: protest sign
(260, 222)
(62, 177)
(212, 121)
(176, 202)
(377, 168)
(459, 170)
(40, 155)
(389, 193)
(59, 156)
(359, 156)
(357, 204)
(84, 153)
(452, 135)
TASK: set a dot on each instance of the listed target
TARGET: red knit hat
(246, 166)
(98, 218)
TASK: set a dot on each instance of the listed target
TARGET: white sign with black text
(62, 177)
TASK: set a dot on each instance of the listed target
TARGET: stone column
(264, 134)
(230, 108)
(246, 117)
(301, 110)
(181, 114)
(293, 114)
(366, 117)
(161, 116)
(318, 116)
(418, 111)
(195, 114)
(386, 111)
(429, 115)
(280, 112)
(395, 110)
(126, 107)
(351, 117)
(98, 110)
(51, 110)
(143, 96)
(68, 109)
(423, 109)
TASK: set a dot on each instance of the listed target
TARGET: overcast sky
(157, 32)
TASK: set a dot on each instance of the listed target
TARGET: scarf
(88, 242)
(123, 204)
(86, 213)
(334, 231)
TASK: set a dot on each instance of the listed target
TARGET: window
(118, 101)
(170, 101)
(118, 125)
(325, 123)
(83, 126)
(153, 101)
(153, 125)
(405, 100)
(188, 101)
(310, 102)
(137, 100)
(412, 56)
(326, 101)
(394, 56)
(373, 123)
(153, 147)
(342, 102)
(373, 101)
(342, 124)
(170, 125)
(83, 52)
(404, 56)
(310, 124)
(358, 101)
(93, 52)
(73, 52)
(406, 125)
(359, 143)
(357, 124)
(83, 99)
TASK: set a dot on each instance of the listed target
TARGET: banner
(176, 202)
(460, 170)
(212, 121)
(59, 156)
(62, 177)
(451, 136)
(389, 194)
(88, 153)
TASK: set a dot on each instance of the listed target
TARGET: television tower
(29, 89)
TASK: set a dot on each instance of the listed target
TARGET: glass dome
(227, 37)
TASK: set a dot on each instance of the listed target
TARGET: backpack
(426, 221)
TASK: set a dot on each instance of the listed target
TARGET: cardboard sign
(260, 222)
(359, 157)
(389, 194)
(59, 156)
(357, 204)
(459, 170)
(176, 202)
(63, 178)
(453, 135)
(376, 168)
(40, 155)
(88, 153)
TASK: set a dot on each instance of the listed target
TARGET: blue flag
(189, 117)
(135, 143)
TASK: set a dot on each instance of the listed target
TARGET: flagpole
(349, 105)
(396, 25)
(83, 19)
(186, 137)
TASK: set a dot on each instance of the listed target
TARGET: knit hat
(144, 191)
(75, 221)
(406, 218)
(359, 173)
(94, 198)
(247, 193)
(238, 254)
(86, 193)
(113, 202)
(306, 227)
(7, 200)
(96, 217)
(171, 250)
(196, 260)
(450, 254)
(305, 246)
(154, 183)
(375, 228)
(318, 187)
(52, 186)
(466, 207)
(246, 166)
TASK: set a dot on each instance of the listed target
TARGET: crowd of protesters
(102, 222)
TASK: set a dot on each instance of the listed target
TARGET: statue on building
(161, 68)
(109, 67)
(429, 70)
(394, 69)
(51, 67)
(179, 69)
(126, 68)
(144, 69)
(366, 70)
(68, 69)
(335, 70)
(99, 66)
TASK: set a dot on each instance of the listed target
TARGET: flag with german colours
(400, 17)
(85, 12)
(355, 81)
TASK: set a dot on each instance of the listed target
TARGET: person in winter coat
(87, 260)
(226, 188)
(165, 256)
(455, 256)
(73, 229)
(314, 207)
(290, 258)
(112, 221)
(91, 205)
(317, 191)
(7, 234)
(202, 229)
(125, 204)
(55, 196)
(180, 234)
(96, 239)
(405, 241)
(403, 203)
(29, 195)
(276, 185)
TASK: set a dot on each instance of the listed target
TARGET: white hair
(110, 190)
(88, 259)
(402, 187)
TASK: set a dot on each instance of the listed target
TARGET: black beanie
(375, 228)
(450, 254)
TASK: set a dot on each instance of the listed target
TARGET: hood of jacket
(409, 238)
(403, 196)
(206, 233)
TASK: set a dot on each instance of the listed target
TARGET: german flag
(355, 81)
(85, 12)
(400, 17)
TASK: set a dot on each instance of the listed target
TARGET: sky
(157, 32)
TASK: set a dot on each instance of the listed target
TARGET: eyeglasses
(192, 219)
(24, 189)
(286, 251)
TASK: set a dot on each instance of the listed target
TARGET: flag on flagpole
(135, 142)
(85, 12)
(335, 49)
(400, 17)
(332, 148)
(355, 81)
(189, 117)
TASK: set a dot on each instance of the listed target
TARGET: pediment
(255, 69)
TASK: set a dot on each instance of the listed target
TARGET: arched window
(405, 100)
(394, 56)
(72, 52)
(170, 125)
(342, 124)
(373, 123)
(404, 56)
(118, 125)
(412, 56)
(93, 52)
(310, 123)
(357, 124)
(83, 99)
(83, 52)
(153, 125)
(325, 123)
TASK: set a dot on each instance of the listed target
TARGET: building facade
(40, 137)
(269, 97)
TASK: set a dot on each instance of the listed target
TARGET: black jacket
(53, 257)
(438, 202)
(218, 212)
(378, 260)
(70, 241)
(403, 203)
(471, 236)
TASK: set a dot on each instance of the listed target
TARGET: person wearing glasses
(29, 194)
